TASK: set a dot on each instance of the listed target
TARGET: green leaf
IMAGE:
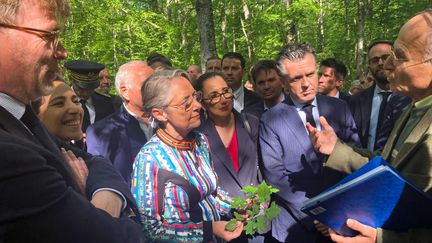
(238, 203)
(231, 225)
(258, 216)
(261, 222)
(238, 216)
(250, 228)
(249, 190)
(272, 211)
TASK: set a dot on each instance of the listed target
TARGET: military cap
(85, 73)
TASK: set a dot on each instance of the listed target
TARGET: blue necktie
(308, 111)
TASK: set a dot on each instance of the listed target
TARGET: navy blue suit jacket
(344, 96)
(250, 98)
(256, 109)
(103, 106)
(228, 179)
(118, 138)
(40, 201)
(291, 164)
(361, 108)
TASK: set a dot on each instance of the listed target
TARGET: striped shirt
(176, 189)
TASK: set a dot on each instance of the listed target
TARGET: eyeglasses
(398, 61)
(214, 98)
(376, 60)
(48, 36)
(187, 104)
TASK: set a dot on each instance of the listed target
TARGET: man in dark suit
(368, 106)
(233, 65)
(331, 79)
(119, 137)
(84, 77)
(268, 85)
(289, 160)
(41, 200)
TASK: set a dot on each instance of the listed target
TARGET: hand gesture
(79, 169)
(323, 141)
(322, 228)
(219, 230)
(367, 233)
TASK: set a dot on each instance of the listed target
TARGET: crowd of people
(162, 160)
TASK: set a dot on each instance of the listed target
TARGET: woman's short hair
(156, 91)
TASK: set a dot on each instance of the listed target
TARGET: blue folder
(375, 195)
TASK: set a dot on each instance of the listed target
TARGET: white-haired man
(120, 136)
(410, 142)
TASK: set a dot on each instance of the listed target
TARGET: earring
(153, 122)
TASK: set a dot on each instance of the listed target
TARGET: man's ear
(124, 92)
(339, 83)
(159, 114)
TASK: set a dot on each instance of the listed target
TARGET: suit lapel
(14, 126)
(242, 140)
(366, 109)
(135, 134)
(411, 141)
(294, 122)
(218, 148)
(391, 141)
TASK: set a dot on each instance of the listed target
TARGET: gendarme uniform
(84, 77)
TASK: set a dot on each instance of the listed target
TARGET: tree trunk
(245, 33)
(224, 28)
(115, 58)
(360, 37)
(320, 25)
(168, 9)
(206, 29)
(292, 33)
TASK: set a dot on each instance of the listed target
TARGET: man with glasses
(288, 157)
(410, 142)
(376, 107)
(40, 197)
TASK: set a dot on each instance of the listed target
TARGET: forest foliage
(116, 31)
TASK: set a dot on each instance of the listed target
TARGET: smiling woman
(61, 113)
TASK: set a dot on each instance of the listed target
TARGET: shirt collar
(13, 106)
(139, 119)
(423, 103)
(300, 105)
(237, 93)
(378, 90)
(337, 95)
(282, 97)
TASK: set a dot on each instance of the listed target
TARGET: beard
(45, 77)
(380, 77)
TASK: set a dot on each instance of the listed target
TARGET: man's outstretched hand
(323, 141)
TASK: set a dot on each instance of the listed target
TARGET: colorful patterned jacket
(176, 189)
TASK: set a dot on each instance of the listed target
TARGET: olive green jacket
(414, 162)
